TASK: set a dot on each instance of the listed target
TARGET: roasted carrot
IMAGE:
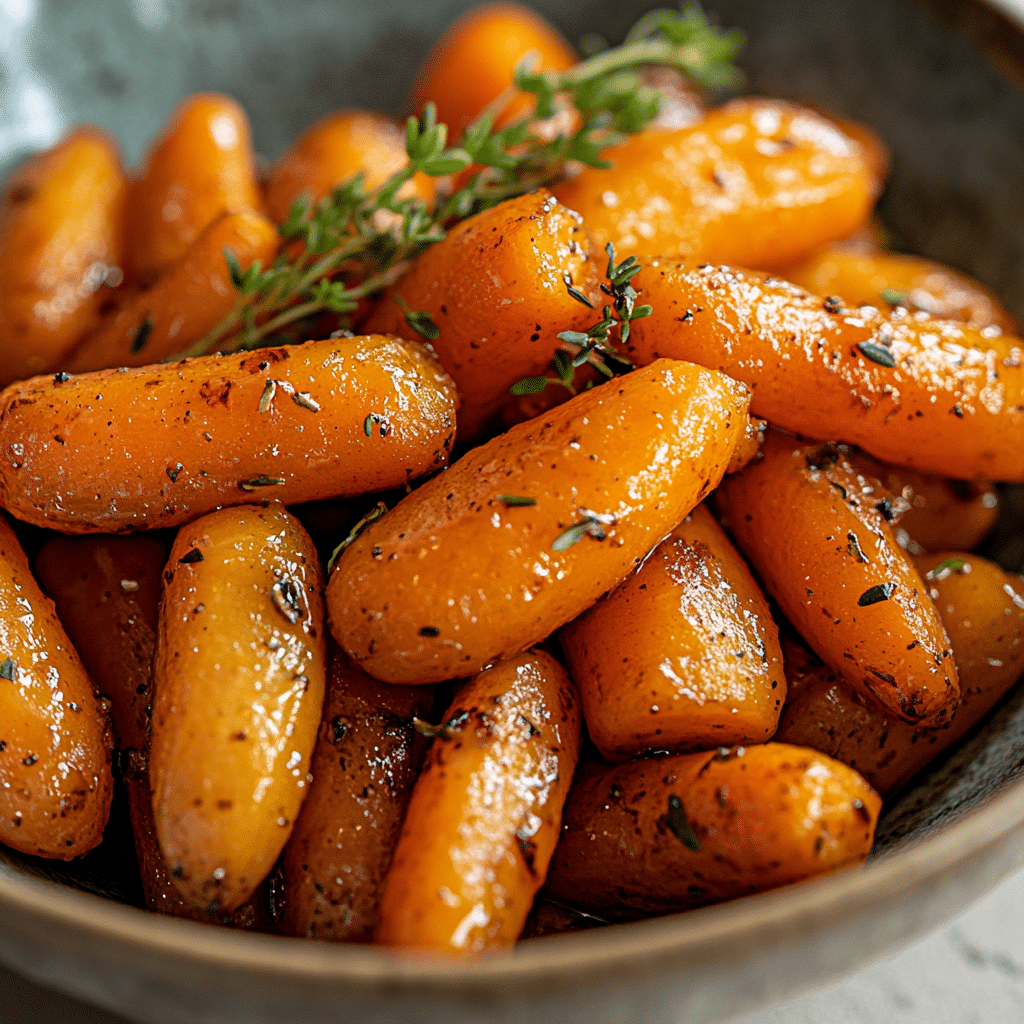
(484, 815)
(55, 742)
(192, 297)
(757, 183)
(526, 531)
(61, 243)
(671, 833)
(332, 151)
(683, 655)
(816, 530)
(931, 395)
(200, 167)
(367, 757)
(239, 678)
(156, 446)
(890, 280)
(982, 609)
(497, 289)
(475, 61)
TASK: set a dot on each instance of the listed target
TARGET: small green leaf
(234, 267)
(877, 354)
(375, 513)
(678, 825)
(530, 385)
(874, 595)
(141, 336)
(515, 500)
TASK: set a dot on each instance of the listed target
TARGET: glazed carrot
(485, 813)
(332, 151)
(526, 531)
(815, 529)
(941, 513)
(116, 451)
(476, 59)
(61, 240)
(497, 290)
(758, 183)
(931, 395)
(200, 167)
(670, 833)
(367, 757)
(889, 280)
(683, 655)
(55, 781)
(189, 299)
(106, 591)
(982, 609)
(239, 678)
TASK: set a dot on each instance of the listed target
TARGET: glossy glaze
(239, 678)
(684, 655)
(952, 403)
(156, 446)
(454, 577)
(758, 183)
(815, 531)
(55, 742)
(485, 813)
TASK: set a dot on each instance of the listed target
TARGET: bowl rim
(675, 936)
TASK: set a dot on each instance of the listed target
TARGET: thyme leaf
(375, 513)
(359, 240)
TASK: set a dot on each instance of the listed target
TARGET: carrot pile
(459, 623)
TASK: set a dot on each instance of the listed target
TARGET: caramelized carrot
(525, 532)
(670, 833)
(758, 183)
(61, 240)
(200, 167)
(239, 678)
(497, 289)
(331, 152)
(160, 445)
(55, 781)
(485, 813)
(192, 297)
(931, 395)
(476, 59)
(815, 529)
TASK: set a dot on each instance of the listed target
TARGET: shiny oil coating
(815, 531)
(332, 151)
(888, 279)
(455, 577)
(982, 609)
(496, 288)
(671, 833)
(760, 183)
(484, 816)
(239, 678)
(200, 167)
(61, 239)
(158, 446)
(367, 757)
(684, 655)
(55, 781)
(953, 403)
(184, 303)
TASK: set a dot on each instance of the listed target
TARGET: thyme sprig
(595, 346)
(359, 240)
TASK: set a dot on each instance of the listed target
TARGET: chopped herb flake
(195, 555)
(262, 481)
(8, 670)
(877, 354)
(141, 336)
(374, 513)
(676, 821)
(875, 594)
(515, 500)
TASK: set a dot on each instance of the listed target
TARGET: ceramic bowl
(942, 83)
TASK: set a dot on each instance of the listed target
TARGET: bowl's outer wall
(955, 126)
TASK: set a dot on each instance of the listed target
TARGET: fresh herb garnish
(515, 500)
(8, 670)
(677, 824)
(948, 565)
(877, 354)
(592, 524)
(875, 594)
(257, 482)
(359, 240)
(375, 513)
(894, 297)
(595, 346)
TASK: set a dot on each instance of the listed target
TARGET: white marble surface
(970, 972)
